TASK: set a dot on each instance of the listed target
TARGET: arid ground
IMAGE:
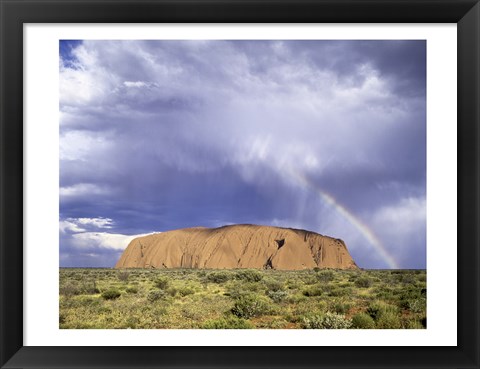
(242, 299)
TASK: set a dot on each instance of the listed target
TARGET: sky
(327, 136)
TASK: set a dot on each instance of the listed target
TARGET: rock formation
(237, 246)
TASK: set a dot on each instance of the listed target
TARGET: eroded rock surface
(237, 246)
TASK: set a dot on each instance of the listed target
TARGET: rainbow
(366, 232)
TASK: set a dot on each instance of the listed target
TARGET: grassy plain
(242, 299)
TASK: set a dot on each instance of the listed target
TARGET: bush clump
(378, 308)
(327, 321)
(156, 295)
(249, 275)
(131, 290)
(111, 294)
(277, 296)
(389, 320)
(326, 276)
(248, 306)
(231, 322)
(218, 277)
(336, 321)
(123, 275)
(162, 283)
(363, 282)
(363, 321)
(315, 290)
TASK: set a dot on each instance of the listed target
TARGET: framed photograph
(236, 184)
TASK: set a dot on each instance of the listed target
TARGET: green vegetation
(242, 299)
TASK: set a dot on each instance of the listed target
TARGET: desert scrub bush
(132, 290)
(340, 307)
(273, 285)
(278, 296)
(339, 291)
(74, 289)
(417, 306)
(230, 322)
(363, 282)
(248, 306)
(336, 321)
(249, 275)
(156, 295)
(414, 324)
(326, 321)
(219, 277)
(162, 283)
(378, 308)
(69, 290)
(185, 291)
(123, 275)
(111, 294)
(312, 322)
(389, 320)
(236, 289)
(363, 321)
(316, 290)
(325, 276)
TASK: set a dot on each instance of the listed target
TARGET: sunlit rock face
(237, 246)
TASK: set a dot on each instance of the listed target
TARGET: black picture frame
(15, 13)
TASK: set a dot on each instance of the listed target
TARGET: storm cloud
(328, 136)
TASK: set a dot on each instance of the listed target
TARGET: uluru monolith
(237, 246)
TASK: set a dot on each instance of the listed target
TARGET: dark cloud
(157, 135)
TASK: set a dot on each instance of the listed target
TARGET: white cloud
(78, 230)
(77, 225)
(81, 189)
(103, 240)
(135, 84)
(404, 217)
(69, 226)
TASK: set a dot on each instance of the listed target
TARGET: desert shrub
(384, 292)
(277, 296)
(131, 290)
(82, 288)
(155, 295)
(422, 278)
(273, 285)
(69, 290)
(414, 324)
(111, 294)
(123, 275)
(185, 290)
(312, 322)
(389, 320)
(235, 289)
(218, 277)
(341, 307)
(327, 321)
(378, 308)
(315, 290)
(172, 291)
(162, 283)
(249, 275)
(325, 276)
(230, 322)
(336, 321)
(418, 305)
(363, 282)
(363, 321)
(339, 291)
(248, 306)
